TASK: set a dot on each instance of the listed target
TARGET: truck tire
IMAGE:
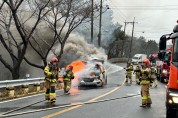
(161, 78)
(170, 113)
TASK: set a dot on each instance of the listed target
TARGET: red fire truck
(172, 86)
(163, 67)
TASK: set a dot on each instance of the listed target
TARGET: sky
(153, 17)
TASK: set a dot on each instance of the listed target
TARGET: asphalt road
(115, 100)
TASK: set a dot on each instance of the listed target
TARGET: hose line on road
(33, 103)
(69, 105)
(27, 106)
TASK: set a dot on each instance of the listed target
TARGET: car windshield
(175, 53)
(96, 70)
(135, 58)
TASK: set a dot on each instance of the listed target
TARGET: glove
(140, 79)
(53, 75)
(145, 72)
(72, 77)
(151, 81)
(136, 70)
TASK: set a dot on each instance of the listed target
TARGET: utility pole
(125, 26)
(92, 21)
(99, 35)
(122, 49)
(131, 38)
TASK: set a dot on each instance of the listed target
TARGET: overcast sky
(154, 17)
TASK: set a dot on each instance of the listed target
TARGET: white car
(138, 58)
(92, 77)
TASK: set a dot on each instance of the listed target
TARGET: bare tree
(64, 17)
(15, 30)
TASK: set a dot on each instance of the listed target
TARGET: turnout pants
(146, 99)
(137, 77)
(50, 90)
(67, 85)
(129, 77)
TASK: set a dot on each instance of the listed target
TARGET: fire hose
(68, 105)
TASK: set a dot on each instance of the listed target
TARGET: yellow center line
(74, 107)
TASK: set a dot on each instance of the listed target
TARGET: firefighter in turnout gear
(153, 76)
(145, 84)
(51, 76)
(129, 70)
(67, 77)
(137, 72)
(102, 71)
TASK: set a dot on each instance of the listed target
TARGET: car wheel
(170, 113)
(79, 86)
(161, 78)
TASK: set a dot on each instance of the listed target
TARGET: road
(115, 100)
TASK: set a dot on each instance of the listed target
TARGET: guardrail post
(37, 87)
(25, 89)
(10, 91)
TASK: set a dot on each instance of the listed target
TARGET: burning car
(92, 76)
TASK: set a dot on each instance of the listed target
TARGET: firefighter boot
(148, 105)
(143, 105)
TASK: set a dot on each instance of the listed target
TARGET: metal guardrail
(118, 60)
(19, 82)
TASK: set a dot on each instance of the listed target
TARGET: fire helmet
(54, 59)
(70, 67)
(146, 61)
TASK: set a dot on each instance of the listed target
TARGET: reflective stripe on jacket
(145, 76)
(137, 71)
(68, 76)
(129, 69)
(51, 76)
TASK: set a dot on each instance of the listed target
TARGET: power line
(132, 8)
(146, 5)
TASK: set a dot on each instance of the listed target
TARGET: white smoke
(77, 48)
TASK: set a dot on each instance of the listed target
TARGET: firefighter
(67, 77)
(145, 84)
(99, 67)
(153, 76)
(51, 76)
(129, 70)
(137, 72)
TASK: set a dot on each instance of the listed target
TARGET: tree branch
(18, 5)
(2, 5)
(5, 45)
(41, 55)
(5, 64)
(32, 64)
